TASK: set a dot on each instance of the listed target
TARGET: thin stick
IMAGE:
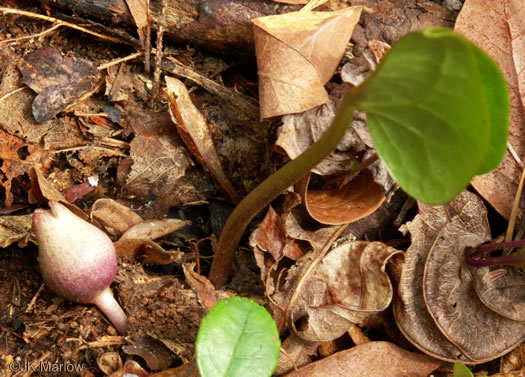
(159, 52)
(12, 92)
(513, 153)
(147, 42)
(120, 60)
(33, 300)
(37, 35)
(514, 212)
(5, 10)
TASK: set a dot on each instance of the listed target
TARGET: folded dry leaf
(497, 27)
(374, 359)
(297, 54)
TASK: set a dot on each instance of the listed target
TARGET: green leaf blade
(237, 338)
(437, 113)
(461, 370)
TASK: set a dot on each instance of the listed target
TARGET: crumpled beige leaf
(193, 130)
(297, 54)
(498, 28)
(374, 359)
(348, 286)
(115, 217)
(138, 241)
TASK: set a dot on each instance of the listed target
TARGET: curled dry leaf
(297, 54)
(497, 27)
(153, 351)
(114, 216)
(409, 308)
(348, 286)
(374, 359)
(505, 295)
(138, 242)
(455, 323)
(193, 130)
(279, 236)
(477, 331)
(42, 191)
(357, 199)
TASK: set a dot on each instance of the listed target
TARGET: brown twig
(514, 212)
(37, 35)
(59, 22)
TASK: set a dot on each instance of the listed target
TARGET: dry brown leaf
(13, 166)
(43, 190)
(497, 27)
(297, 54)
(156, 355)
(295, 352)
(138, 242)
(357, 199)
(14, 229)
(114, 216)
(58, 81)
(139, 12)
(374, 359)
(205, 289)
(16, 116)
(299, 131)
(193, 130)
(154, 229)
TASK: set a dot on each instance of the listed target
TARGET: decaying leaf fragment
(58, 81)
(159, 160)
(374, 359)
(497, 27)
(297, 54)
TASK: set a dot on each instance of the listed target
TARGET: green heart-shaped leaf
(437, 109)
(237, 338)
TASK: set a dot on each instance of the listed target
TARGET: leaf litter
(348, 285)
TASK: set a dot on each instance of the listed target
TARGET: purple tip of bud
(77, 260)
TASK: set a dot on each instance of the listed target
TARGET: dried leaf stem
(274, 185)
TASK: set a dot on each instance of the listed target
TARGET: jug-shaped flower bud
(77, 260)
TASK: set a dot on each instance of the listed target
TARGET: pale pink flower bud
(77, 260)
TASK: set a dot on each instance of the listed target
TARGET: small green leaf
(460, 370)
(237, 338)
(437, 109)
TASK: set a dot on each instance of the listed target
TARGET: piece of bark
(225, 26)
